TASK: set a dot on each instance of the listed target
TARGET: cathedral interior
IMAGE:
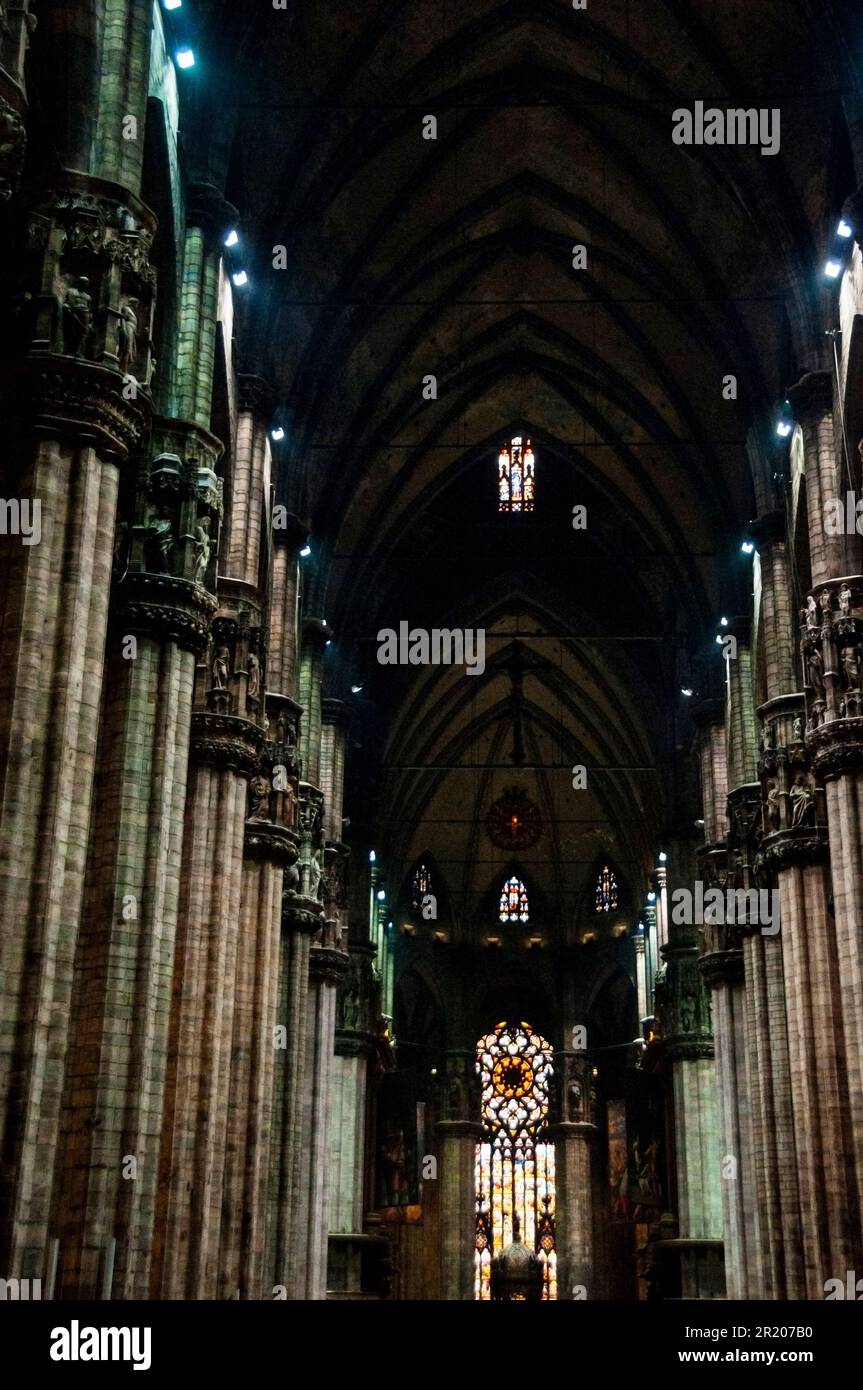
(431, 616)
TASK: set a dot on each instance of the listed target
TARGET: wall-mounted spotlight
(306, 550)
(233, 237)
(833, 269)
(355, 689)
(845, 230)
(372, 856)
(381, 895)
(651, 897)
(277, 434)
(240, 278)
(723, 622)
(686, 690)
(719, 637)
(662, 856)
(747, 547)
(185, 58)
(172, 4)
(784, 428)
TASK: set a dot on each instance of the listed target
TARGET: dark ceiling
(453, 257)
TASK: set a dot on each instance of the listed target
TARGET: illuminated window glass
(516, 477)
(421, 886)
(606, 890)
(513, 901)
(514, 1165)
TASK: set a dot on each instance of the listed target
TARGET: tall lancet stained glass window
(421, 886)
(516, 477)
(513, 901)
(606, 890)
(514, 1163)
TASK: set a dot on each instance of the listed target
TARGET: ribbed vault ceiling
(453, 257)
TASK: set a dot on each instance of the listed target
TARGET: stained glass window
(514, 1164)
(421, 886)
(606, 890)
(513, 901)
(516, 477)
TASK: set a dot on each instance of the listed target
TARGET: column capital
(335, 712)
(69, 398)
(208, 208)
(276, 844)
(328, 964)
(769, 529)
(811, 397)
(172, 609)
(316, 631)
(291, 532)
(225, 741)
(721, 968)
(256, 396)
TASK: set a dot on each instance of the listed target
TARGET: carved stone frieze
(225, 741)
(84, 403)
(274, 843)
(159, 603)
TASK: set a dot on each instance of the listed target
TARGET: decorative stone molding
(354, 1009)
(224, 741)
(328, 964)
(837, 747)
(721, 968)
(686, 1025)
(68, 399)
(269, 841)
(255, 396)
(299, 913)
(812, 395)
(174, 609)
(795, 847)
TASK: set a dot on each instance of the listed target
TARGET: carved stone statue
(816, 673)
(315, 874)
(824, 600)
(160, 540)
(202, 549)
(77, 316)
(812, 619)
(851, 667)
(291, 803)
(798, 729)
(260, 789)
(802, 802)
(773, 806)
(127, 337)
(253, 688)
(220, 668)
(845, 601)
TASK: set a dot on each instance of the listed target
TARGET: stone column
(688, 1035)
(302, 917)
(125, 959)
(224, 754)
(795, 850)
(288, 537)
(208, 216)
(315, 636)
(354, 1043)
(774, 1149)
(270, 848)
(458, 1135)
(812, 402)
(252, 477)
(722, 966)
(73, 431)
(327, 964)
(573, 1134)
